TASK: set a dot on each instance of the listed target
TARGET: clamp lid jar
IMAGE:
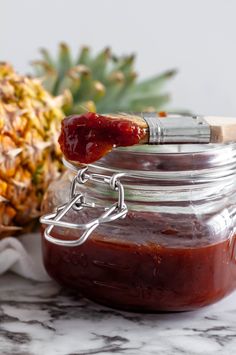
(149, 228)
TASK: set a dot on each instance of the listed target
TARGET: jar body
(168, 254)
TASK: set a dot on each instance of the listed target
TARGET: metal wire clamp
(77, 202)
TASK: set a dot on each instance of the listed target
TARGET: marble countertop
(40, 318)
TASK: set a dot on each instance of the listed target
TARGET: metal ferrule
(176, 129)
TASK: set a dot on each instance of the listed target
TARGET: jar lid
(158, 158)
(187, 163)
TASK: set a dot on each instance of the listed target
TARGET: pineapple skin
(30, 120)
(101, 83)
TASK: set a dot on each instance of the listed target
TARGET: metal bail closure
(77, 203)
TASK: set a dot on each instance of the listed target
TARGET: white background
(196, 36)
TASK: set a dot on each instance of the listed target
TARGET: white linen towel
(23, 255)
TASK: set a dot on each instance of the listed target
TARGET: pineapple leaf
(109, 102)
(125, 64)
(99, 91)
(72, 81)
(63, 65)
(129, 81)
(107, 80)
(41, 68)
(86, 84)
(150, 86)
(87, 106)
(155, 102)
(49, 80)
(84, 56)
(99, 64)
(47, 57)
(64, 59)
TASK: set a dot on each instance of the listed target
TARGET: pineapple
(29, 125)
(104, 83)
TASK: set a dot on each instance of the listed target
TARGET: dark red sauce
(148, 276)
(88, 137)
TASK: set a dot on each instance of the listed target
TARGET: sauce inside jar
(171, 272)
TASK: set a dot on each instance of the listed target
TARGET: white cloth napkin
(23, 255)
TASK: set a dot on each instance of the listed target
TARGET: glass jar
(168, 244)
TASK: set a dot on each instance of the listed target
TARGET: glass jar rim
(196, 162)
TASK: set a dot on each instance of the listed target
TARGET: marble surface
(40, 318)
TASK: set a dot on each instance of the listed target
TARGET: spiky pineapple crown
(102, 83)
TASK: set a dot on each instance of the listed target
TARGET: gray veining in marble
(40, 318)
